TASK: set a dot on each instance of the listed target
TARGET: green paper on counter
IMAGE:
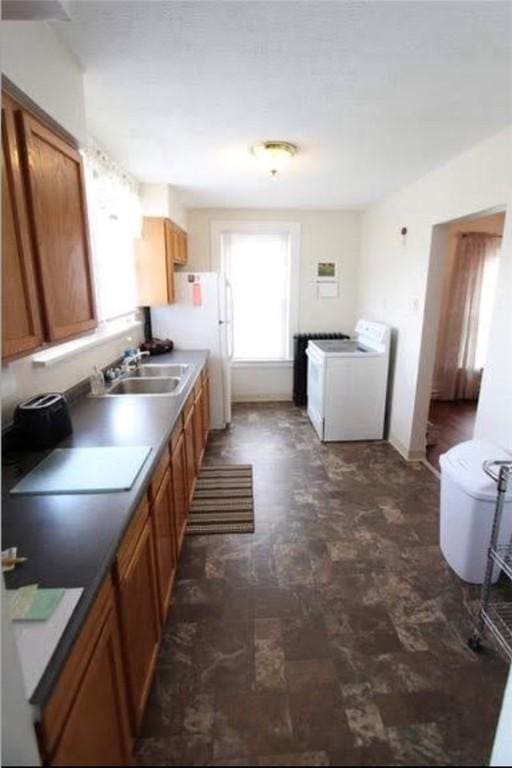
(29, 604)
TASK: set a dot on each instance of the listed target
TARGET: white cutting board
(85, 470)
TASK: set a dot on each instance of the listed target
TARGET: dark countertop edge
(66, 642)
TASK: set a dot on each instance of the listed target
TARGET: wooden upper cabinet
(180, 246)
(155, 265)
(162, 246)
(21, 321)
(58, 215)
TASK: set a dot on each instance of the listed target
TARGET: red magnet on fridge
(197, 296)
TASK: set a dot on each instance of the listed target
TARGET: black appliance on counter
(150, 344)
(300, 363)
(42, 421)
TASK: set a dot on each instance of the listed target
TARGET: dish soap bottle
(97, 382)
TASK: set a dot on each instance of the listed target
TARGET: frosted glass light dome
(274, 155)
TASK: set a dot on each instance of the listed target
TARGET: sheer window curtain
(461, 355)
(115, 218)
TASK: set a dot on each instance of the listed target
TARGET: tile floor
(335, 635)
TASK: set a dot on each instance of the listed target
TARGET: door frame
(431, 317)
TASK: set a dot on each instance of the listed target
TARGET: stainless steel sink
(146, 386)
(154, 370)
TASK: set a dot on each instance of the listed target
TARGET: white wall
(393, 279)
(39, 64)
(325, 236)
(163, 200)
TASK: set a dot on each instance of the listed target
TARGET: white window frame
(290, 228)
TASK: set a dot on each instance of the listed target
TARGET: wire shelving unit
(495, 616)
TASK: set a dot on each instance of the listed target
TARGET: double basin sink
(150, 379)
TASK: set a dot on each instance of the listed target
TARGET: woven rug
(223, 500)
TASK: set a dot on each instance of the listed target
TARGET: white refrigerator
(201, 318)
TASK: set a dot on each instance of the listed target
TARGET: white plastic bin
(468, 500)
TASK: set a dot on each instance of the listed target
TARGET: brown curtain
(457, 375)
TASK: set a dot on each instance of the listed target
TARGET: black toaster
(42, 421)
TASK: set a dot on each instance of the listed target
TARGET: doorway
(470, 268)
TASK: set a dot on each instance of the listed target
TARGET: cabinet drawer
(129, 542)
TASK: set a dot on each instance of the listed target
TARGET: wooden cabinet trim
(131, 537)
(176, 432)
(179, 490)
(161, 513)
(158, 476)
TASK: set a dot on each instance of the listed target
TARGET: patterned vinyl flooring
(334, 635)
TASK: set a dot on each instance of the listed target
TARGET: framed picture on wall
(326, 271)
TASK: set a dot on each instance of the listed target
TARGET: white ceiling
(374, 93)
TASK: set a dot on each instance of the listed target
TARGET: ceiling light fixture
(274, 154)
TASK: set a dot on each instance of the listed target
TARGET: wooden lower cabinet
(190, 465)
(86, 720)
(205, 410)
(139, 614)
(162, 514)
(179, 489)
(198, 431)
(94, 713)
(97, 728)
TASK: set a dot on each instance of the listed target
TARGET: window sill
(261, 363)
(101, 335)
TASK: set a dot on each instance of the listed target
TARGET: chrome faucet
(132, 362)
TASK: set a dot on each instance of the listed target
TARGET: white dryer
(347, 384)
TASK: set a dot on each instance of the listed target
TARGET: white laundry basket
(468, 499)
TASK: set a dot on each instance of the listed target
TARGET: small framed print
(326, 271)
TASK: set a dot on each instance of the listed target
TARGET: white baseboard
(404, 452)
(432, 468)
(270, 398)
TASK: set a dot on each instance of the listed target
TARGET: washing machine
(347, 384)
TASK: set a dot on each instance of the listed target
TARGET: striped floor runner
(223, 500)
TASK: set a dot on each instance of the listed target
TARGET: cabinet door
(184, 248)
(188, 433)
(198, 431)
(179, 490)
(97, 730)
(162, 512)
(21, 322)
(57, 208)
(205, 405)
(140, 621)
(169, 262)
